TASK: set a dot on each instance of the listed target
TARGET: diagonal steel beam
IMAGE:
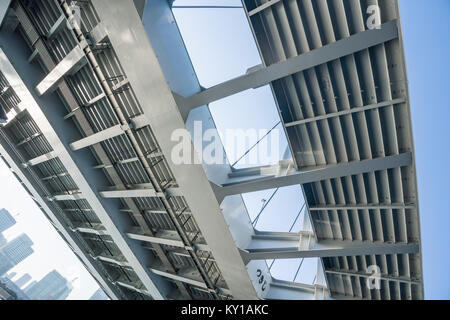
(71, 63)
(258, 183)
(368, 276)
(137, 191)
(286, 290)
(165, 237)
(41, 159)
(57, 27)
(347, 112)
(187, 275)
(88, 230)
(265, 75)
(65, 197)
(303, 245)
(98, 137)
(380, 206)
(129, 193)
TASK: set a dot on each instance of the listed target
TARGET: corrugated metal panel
(288, 28)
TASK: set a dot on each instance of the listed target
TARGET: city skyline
(52, 286)
(6, 220)
(51, 252)
(16, 272)
(16, 250)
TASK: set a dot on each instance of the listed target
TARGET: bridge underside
(90, 109)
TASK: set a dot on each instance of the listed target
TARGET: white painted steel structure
(91, 108)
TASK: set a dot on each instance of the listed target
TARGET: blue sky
(425, 28)
(221, 47)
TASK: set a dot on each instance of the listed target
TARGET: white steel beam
(263, 76)
(347, 112)
(15, 113)
(262, 7)
(71, 63)
(119, 85)
(129, 193)
(188, 275)
(380, 206)
(41, 159)
(28, 139)
(112, 260)
(59, 24)
(258, 183)
(184, 252)
(64, 197)
(94, 229)
(303, 245)
(114, 131)
(98, 137)
(62, 174)
(33, 55)
(94, 100)
(183, 275)
(286, 290)
(98, 34)
(368, 275)
(140, 191)
(171, 239)
(139, 122)
(165, 237)
(133, 287)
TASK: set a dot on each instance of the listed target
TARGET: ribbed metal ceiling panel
(287, 28)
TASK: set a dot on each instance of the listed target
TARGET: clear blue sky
(221, 47)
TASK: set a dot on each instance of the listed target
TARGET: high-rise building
(21, 295)
(52, 286)
(6, 293)
(99, 295)
(63, 293)
(29, 286)
(6, 220)
(18, 249)
(22, 280)
(11, 275)
(3, 240)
